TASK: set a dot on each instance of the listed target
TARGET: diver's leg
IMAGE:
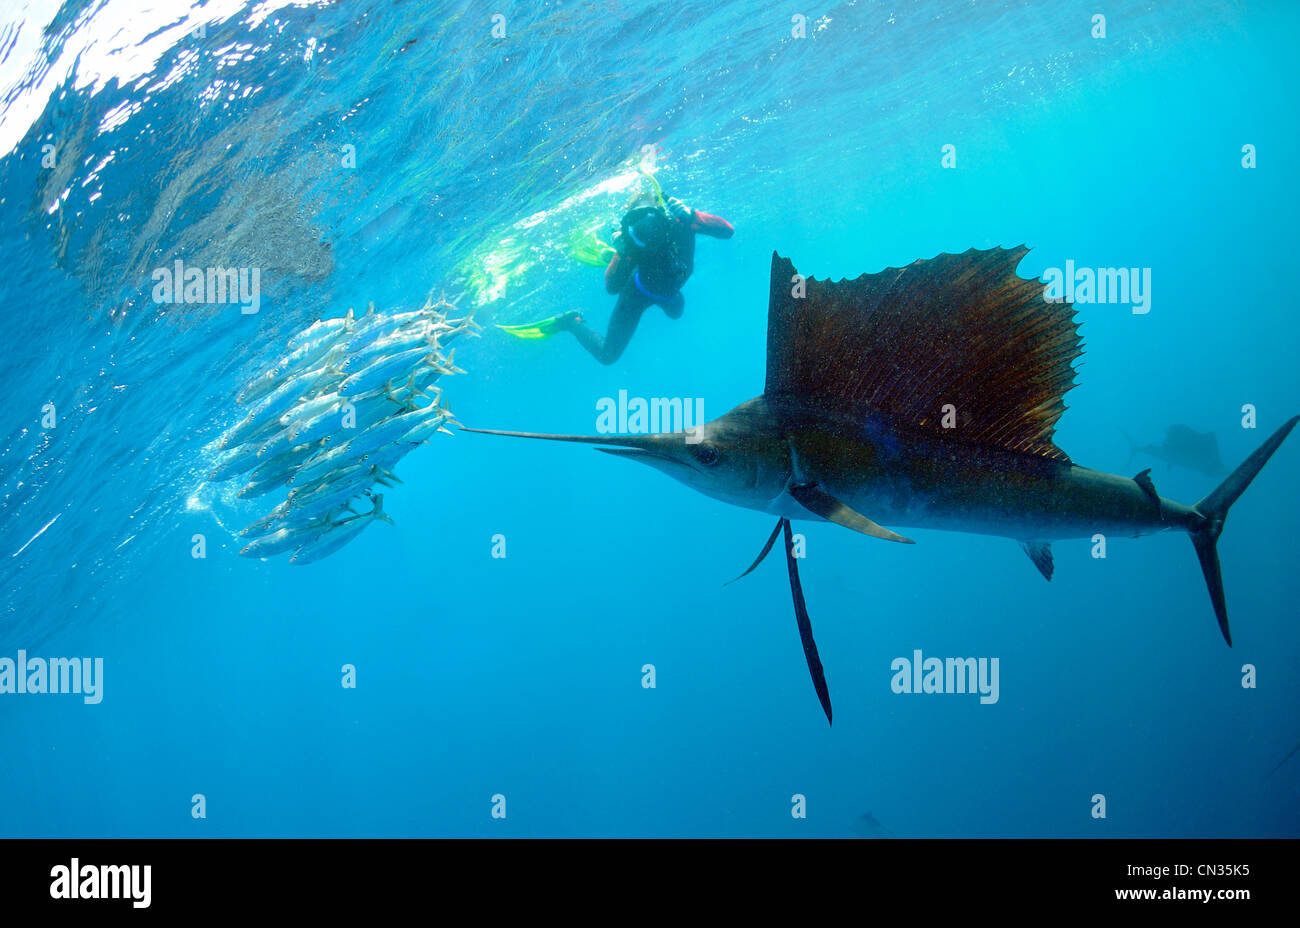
(622, 325)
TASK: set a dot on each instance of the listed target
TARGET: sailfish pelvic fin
(805, 625)
(800, 611)
(771, 540)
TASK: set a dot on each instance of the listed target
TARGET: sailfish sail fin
(961, 331)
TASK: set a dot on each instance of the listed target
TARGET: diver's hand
(680, 210)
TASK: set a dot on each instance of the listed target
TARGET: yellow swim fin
(543, 328)
(588, 248)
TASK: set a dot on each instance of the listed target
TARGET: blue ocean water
(380, 152)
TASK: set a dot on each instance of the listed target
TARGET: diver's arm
(618, 271)
(708, 224)
(698, 222)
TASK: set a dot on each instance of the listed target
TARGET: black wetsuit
(656, 256)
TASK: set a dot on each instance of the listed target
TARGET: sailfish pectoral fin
(771, 540)
(805, 624)
(821, 503)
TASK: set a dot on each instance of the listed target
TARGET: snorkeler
(653, 255)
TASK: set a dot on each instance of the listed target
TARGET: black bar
(334, 877)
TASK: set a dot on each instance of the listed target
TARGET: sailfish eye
(705, 453)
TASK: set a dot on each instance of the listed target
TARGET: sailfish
(924, 396)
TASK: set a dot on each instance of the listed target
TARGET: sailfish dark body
(923, 397)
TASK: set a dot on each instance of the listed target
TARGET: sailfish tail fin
(1214, 508)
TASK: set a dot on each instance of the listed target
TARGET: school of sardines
(331, 419)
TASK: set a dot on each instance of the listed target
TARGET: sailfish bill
(924, 397)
